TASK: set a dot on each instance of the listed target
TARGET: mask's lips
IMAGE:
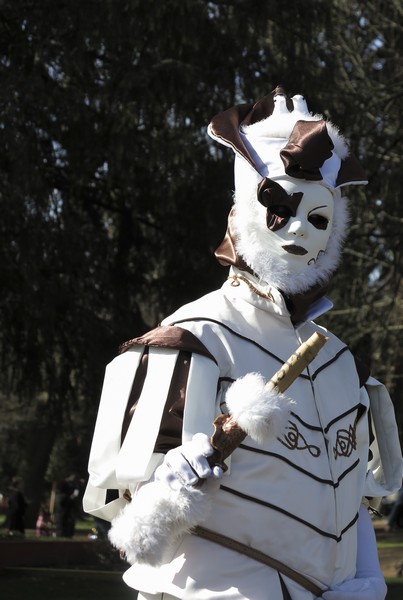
(294, 249)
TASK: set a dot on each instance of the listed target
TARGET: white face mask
(297, 249)
(300, 231)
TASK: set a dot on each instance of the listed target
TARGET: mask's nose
(297, 227)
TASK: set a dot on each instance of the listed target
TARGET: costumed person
(286, 516)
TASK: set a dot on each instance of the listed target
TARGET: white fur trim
(259, 411)
(148, 527)
(339, 143)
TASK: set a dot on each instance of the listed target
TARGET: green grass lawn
(395, 588)
(63, 584)
(37, 584)
(73, 584)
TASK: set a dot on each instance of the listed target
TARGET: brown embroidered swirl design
(346, 442)
(294, 440)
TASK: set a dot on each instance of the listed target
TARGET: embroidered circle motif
(294, 440)
(346, 442)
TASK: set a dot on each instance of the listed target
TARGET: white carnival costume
(293, 490)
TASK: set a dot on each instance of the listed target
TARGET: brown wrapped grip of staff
(228, 434)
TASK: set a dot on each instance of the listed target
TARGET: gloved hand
(370, 588)
(167, 506)
(187, 464)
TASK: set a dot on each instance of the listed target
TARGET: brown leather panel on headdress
(299, 304)
(307, 149)
(226, 253)
(350, 171)
(169, 336)
(227, 123)
(226, 126)
(264, 107)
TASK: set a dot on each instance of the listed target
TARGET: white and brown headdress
(278, 139)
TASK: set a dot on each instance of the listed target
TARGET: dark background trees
(113, 199)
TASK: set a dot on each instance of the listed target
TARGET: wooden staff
(297, 363)
(228, 434)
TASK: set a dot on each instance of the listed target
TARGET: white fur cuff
(147, 528)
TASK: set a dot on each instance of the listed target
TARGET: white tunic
(296, 497)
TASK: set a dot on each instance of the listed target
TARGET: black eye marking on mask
(317, 220)
(280, 205)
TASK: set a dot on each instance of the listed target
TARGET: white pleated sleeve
(385, 468)
(117, 466)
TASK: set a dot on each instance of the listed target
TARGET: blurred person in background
(17, 506)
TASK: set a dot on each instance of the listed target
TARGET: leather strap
(259, 556)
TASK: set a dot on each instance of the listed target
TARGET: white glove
(369, 583)
(187, 464)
